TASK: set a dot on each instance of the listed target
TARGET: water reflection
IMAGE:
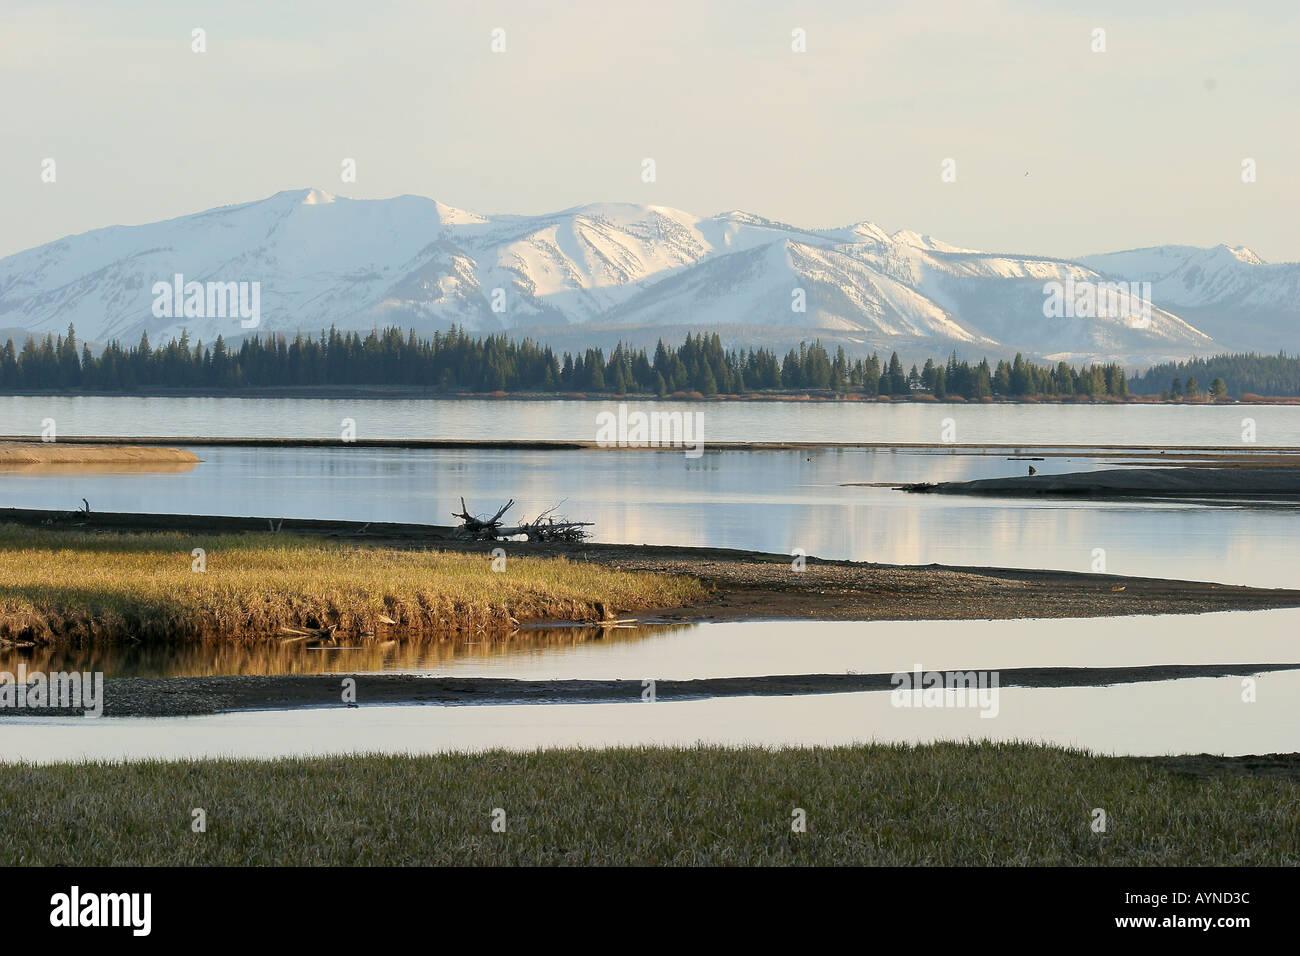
(273, 656)
(734, 649)
(1201, 715)
(766, 501)
(499, 419)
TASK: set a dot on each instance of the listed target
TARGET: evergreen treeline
(1242, 373)
(454, 361)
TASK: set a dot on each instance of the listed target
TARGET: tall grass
(71, 586)
(968, 804)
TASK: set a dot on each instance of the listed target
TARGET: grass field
(1006, 804)
(71, 586)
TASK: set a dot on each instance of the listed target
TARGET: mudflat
(1234, 481)
(192, 696)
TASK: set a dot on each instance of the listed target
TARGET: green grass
(73, 586)
(985, 803)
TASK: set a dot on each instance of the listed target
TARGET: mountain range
(609, 271)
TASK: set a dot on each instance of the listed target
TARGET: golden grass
(72, 586)
(54, 453)
(942, 804)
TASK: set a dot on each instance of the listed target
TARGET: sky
(1057, 148)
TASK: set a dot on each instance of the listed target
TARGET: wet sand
(100, 453)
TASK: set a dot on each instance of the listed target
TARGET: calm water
(1135, 425)
(769, 501)
(733, 649)
(1178, 716)
(773, 501)
(1201, 715)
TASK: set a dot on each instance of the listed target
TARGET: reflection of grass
(940, 804)
(206, 658)
(59, 585)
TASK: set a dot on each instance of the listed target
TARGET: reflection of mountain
(606, 271)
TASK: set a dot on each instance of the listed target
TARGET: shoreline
(91, 455)
(433, 393)
(750, 585)
(202, 696)
(804, 396)
(1226, 453)
(1260, 481)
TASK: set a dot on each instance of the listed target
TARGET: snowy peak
(451, 216)
(929, 243)
(1228, 291)
(739, 217)
(1189, 276)
(1242, 254)
(288, 198)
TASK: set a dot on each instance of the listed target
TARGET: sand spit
(19, 454)
(1204, 482)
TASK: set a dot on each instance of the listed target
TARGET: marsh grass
(949, 803)
(72, 586)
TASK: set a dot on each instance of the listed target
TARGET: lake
(728, 649)
(1198, 715)
(1165, 716)
(724, 421)
(826, 502)
(774, 501)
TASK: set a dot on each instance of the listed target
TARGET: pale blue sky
(1136, 146)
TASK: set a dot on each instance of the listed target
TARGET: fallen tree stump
(545, 527)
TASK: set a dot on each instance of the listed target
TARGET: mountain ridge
(320, 259)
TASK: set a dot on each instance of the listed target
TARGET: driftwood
(472, 526)
(545, 527)
(291, 634)
(552, 530)
(82, 513)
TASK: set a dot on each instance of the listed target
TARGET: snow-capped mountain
(1228, 291)
(318, 260)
